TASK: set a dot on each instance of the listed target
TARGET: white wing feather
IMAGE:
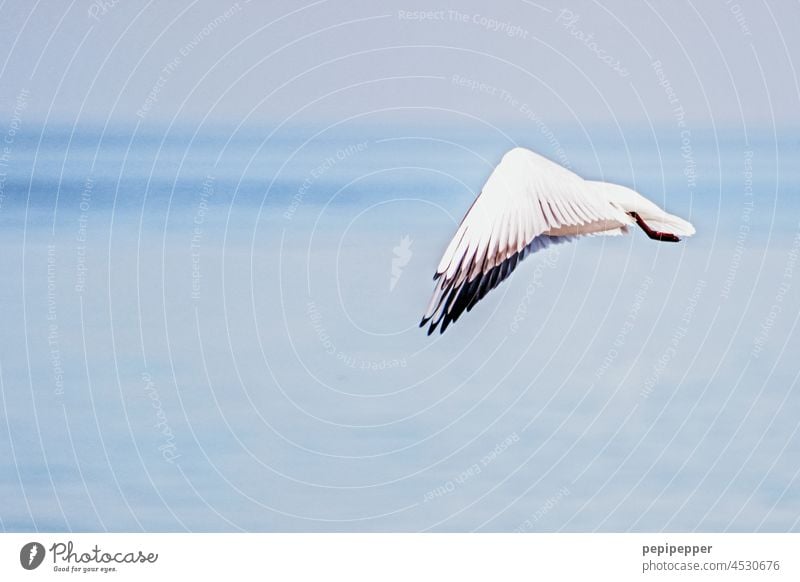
(526, 197)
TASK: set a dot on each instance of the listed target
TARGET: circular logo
(31, 555)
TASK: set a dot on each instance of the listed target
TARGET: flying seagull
(528, 203)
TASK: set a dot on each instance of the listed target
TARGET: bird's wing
(527, 203)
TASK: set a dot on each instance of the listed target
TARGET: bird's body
(528, 203)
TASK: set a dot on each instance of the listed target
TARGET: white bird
(527, 203)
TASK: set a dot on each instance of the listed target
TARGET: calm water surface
(217, 330)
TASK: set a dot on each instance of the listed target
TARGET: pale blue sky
(727, 62)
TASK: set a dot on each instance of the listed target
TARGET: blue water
(202, 330)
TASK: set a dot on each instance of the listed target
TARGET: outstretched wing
(527, 203)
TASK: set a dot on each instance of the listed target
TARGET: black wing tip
(445, 323)
(457, 301)
(434, 324)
